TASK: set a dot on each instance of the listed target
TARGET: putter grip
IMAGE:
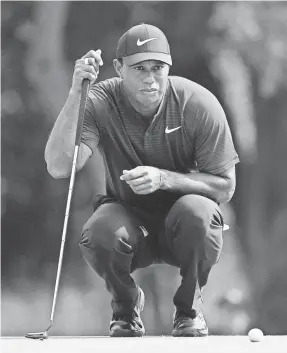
(85, 90)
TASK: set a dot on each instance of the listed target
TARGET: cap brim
(139, 57)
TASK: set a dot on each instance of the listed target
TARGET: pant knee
(106, 245)
(96, 235)
(192, 211)
(195, 222)
(111, 228)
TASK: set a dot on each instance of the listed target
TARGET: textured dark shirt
(189, 132)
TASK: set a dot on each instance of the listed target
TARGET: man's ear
(118, 67)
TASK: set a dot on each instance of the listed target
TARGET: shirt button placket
(148, 146)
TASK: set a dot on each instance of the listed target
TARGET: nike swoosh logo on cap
(139, 43)
(168, 131)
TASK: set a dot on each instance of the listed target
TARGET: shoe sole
(126, 333)
(189, 333)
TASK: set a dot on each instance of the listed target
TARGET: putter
(85, 88)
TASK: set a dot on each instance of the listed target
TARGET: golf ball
(255, 335)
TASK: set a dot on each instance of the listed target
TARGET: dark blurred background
(238, 51)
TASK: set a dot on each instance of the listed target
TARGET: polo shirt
(189, 132)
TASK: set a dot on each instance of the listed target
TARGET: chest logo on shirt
(168, 131)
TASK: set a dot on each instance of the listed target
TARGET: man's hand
(143, 180)
(87, 67)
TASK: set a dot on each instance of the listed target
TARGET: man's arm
(60, 146)
(144, 180)
(220, 188)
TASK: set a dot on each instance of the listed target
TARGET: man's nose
(149, 79)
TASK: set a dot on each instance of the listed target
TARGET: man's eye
(158, 67)
(139, 68)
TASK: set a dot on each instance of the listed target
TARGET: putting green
(211, 344)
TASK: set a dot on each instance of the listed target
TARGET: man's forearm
(60, 145)
(218, 188)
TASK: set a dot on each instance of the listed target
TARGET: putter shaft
(85, 88)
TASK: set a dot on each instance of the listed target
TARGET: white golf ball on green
(255, 335)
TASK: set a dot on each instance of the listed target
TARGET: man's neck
(144, 110)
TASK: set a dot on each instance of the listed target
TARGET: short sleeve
(90, 132)
(214, 148)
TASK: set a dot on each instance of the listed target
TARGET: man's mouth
(148, 90)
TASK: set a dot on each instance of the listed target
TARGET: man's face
(145, 82)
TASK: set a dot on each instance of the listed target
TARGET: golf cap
(143, 42)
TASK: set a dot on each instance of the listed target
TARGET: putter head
(37, 335)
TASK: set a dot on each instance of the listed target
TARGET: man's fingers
(96, 55)
(89, 76)
(84, 67)
(87, 67)
(89, 61)
(138, 181)
(86, 72)
(141, 189)
(142, 179)
(133, 173)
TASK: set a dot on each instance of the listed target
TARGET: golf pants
(119, 239)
